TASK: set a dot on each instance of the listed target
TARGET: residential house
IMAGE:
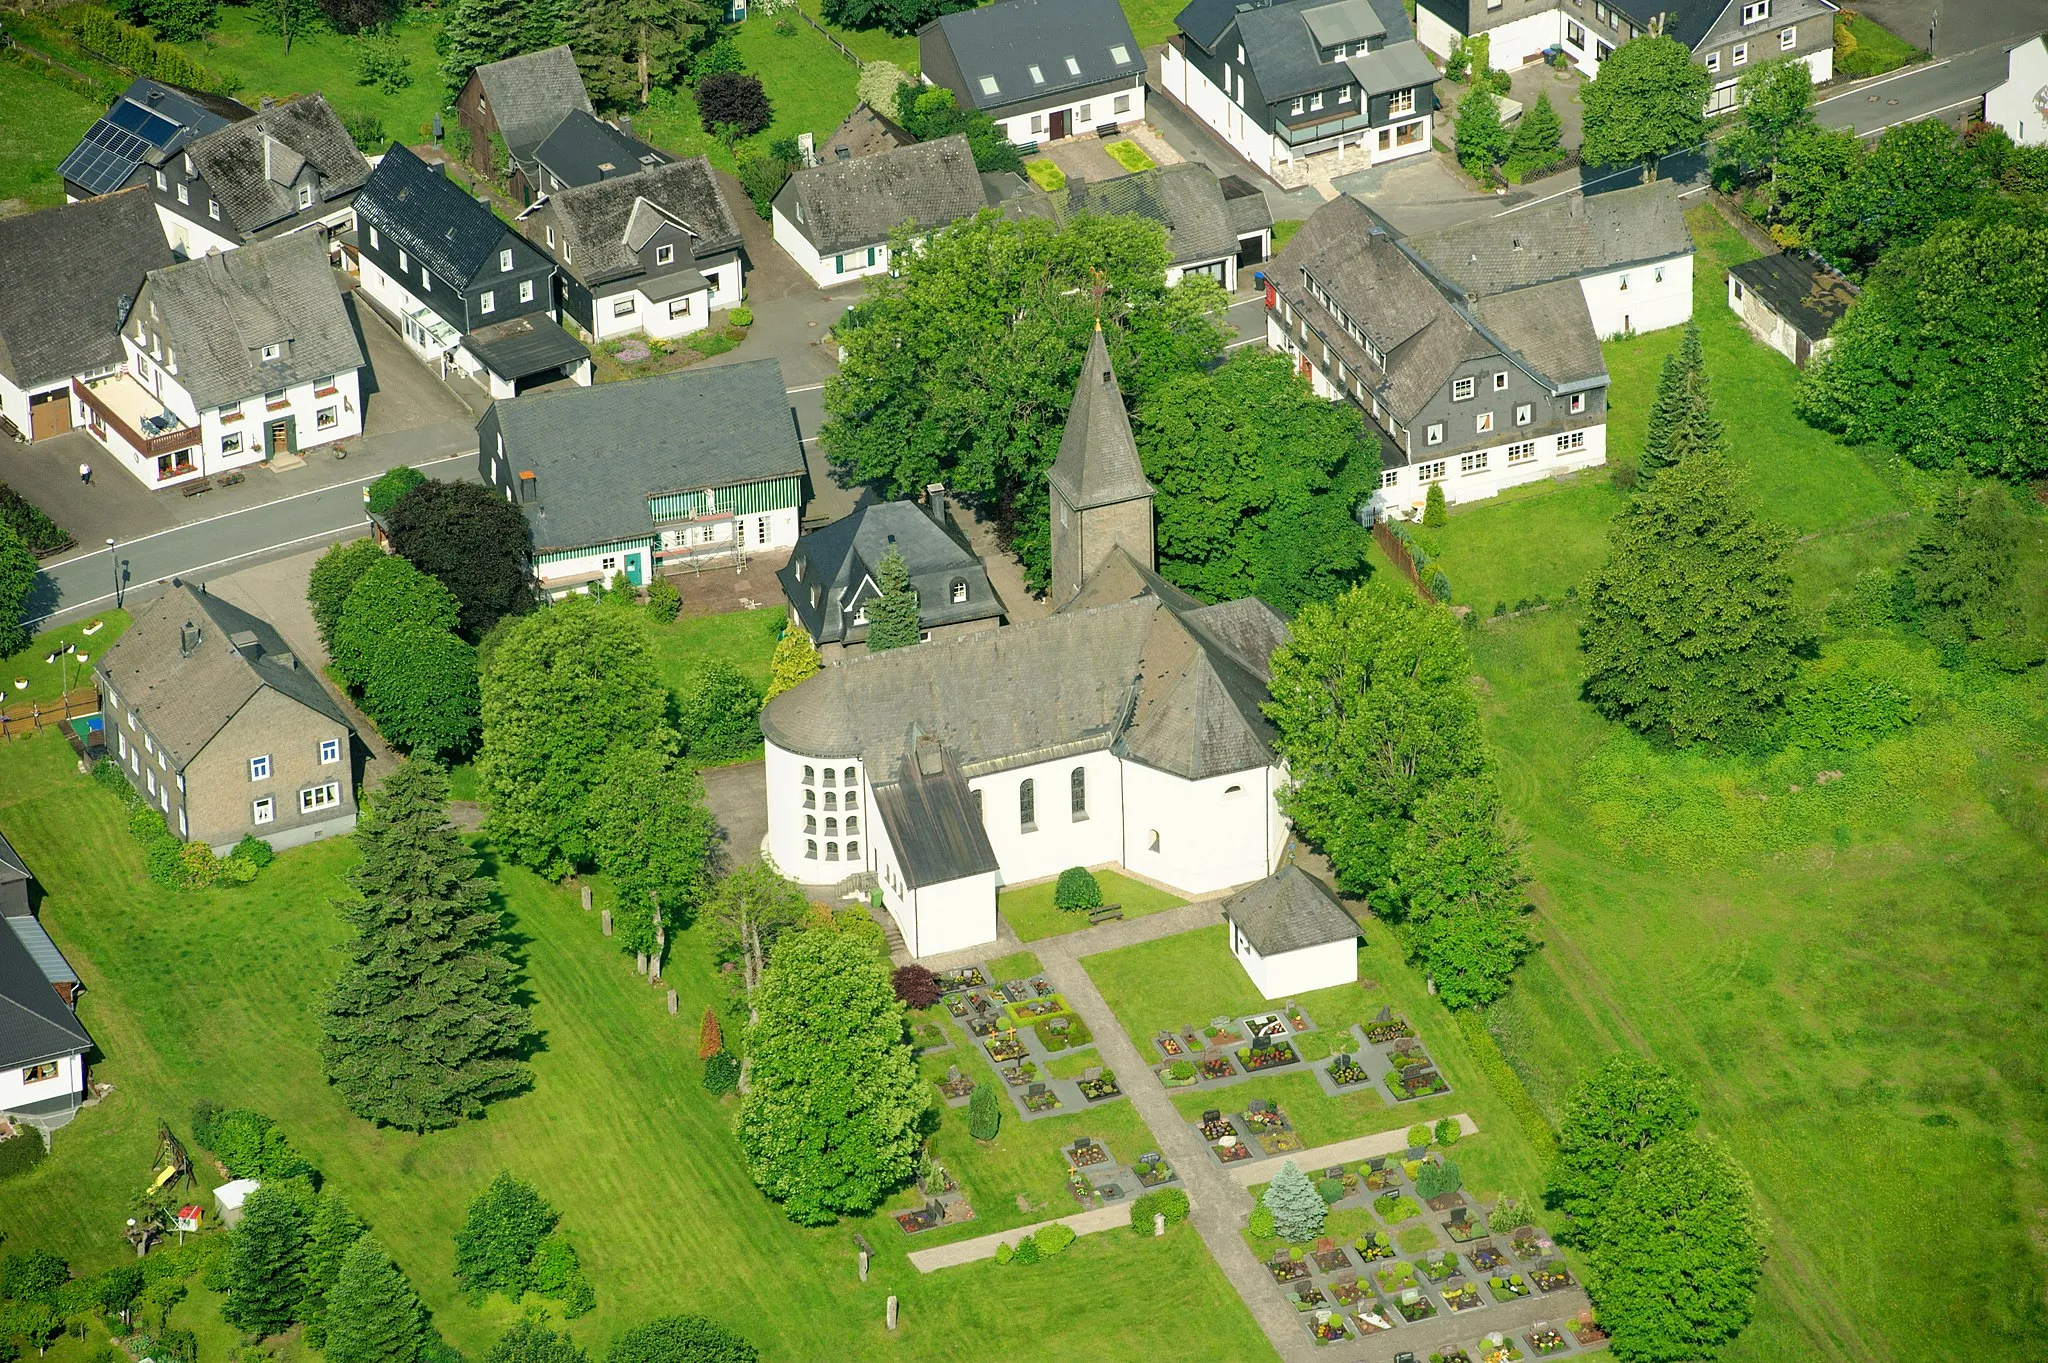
(1207, 233)
(835, 218)
(149, 123)
(519, 101)
(1042, 69)
(1790, 303)
(458, 283)
(1291, 935)
(15, 880)
(290, 167)
(2019, 103)
(654, 252)
(583, 149)
(229, 360)
(221, 728)
(43, 1046)
(861, 133)
(1725, 36)
(1473, 393)
(1122, 729)
(19, 918)
(834, 575)
(701, 465)
(1284, 80)
(68, 277)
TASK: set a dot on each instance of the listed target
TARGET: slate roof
(145, 125)
(12, 867)
(841, 205)
(42, 950)
(249, 166)
(932, 820)
(1399, 66)
(35, 1024)
(65, 274)
(529, 93)
(1286, 59)
(599, 453)
(843, 561)
(1072, 43)
(430, 215)
(1288, 911)
(1098, 462)
(582, 149)
(1691, 20)
(1804, 292)
(1550, 327)
(607, 223)
(1567, 238)
(1185, 199)
(219, 311)
(1132, 663)
(864, 132)
(184, 700)
(520, 347)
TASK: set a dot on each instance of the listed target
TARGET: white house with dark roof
(147, 124)
(1790, 302)
(1042, 69)
(1291, 935)
(1125, 729)
(68, 279)
(832, 577)
(290, 167)
(698, 466)
(43, 1046)
(2019, 103)
(230, 359)
(1208, 232)
(835, 218)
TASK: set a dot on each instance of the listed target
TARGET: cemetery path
(1250, 1172)
(984, 1247)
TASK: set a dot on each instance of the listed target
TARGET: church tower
(1100, 497)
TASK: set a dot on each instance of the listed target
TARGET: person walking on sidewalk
(85, 473)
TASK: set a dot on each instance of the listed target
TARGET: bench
(1107, 913)
(195, 488)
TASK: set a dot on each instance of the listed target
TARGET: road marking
(807, 388)
(1917, 118)
(1885, 80)
(1583, 185)
(1249, 340)
(184, 572)
(225, 515)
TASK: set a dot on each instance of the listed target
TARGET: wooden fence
(1397, 553)
(27, 718)
(844, 50)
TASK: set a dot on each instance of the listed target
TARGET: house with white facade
(835, 218)
(1044, 70)
(43, 1046)
(1291, 935)
(2019, 103)
(832, 578)
(229, 360)
(1725, 36)
(1209, 230)
(654, 251)
(697, 466)
(1285, 80)
(1123, 729)
(68, 280)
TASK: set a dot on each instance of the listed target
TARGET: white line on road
(807, 388)
(182, 572)
(1249, 340)
(1917, 118)
(1884, 80)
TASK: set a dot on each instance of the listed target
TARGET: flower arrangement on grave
(1511, 1285)
(1461, 1296)
(1374, 1245)
(1552, 1277)
(1546, 1340)
(1345, 1069)
(1329, 1327)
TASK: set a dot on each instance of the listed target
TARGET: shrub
(21, 1152)
(1182, 1070)
(721, 1074)
(160, 847)
(1003, 1252)
(1261, 1225)
(499, 1237)
(1847, 708)
(41, 534)
(1053, 1239)
(206, 1115)
(1434, 512)
(1172, 1203)
(253, 850)
(366, 131)
(1329, 1189)
(915, 985)
(719, 716)
(1434, 1180)
(1077, 889)
(762, 177)
(664, 602)
(741, 316)
(1027, 1251)
(383, 494)
(1448, 1131)
(984, 1113)
(251, 1145)
(732, 99)
(1418, 1135)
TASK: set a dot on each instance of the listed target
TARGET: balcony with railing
(140, 417)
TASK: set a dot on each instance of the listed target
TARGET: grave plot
(1226, 1141)
(944, 1203)
(1269, 1127)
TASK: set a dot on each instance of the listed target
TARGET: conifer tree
(333, 1230)
(796, 659)
(373, 1315)
(267, 1263)
(421, 1030)
(710, 1036)
(627, 47)
(482, 31)
(984, 1113)
(1682, 414)
(1298, 1209)
(892, 616)
(1538, 143)
(1689, 629)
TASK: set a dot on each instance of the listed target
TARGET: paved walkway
(984, 1247)
(1249, 1173)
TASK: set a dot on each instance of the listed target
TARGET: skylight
(1037, 76)
(1073, 67)
(1119, 54)
(988, 85)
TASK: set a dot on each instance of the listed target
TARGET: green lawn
(46, 680)
(1030, 913)
(1864, 47)
(1317, 1119)
(325, 63)
(1152, 20)
(746, 639)
(1020, 965)
(41, 120)
(810, 88)
(871, 44)
(215, 994)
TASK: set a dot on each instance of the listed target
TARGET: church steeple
(1100, 495)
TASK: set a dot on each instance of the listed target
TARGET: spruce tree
(892, 616)
(478, 32)
(333, 1230)
(1682, 414)
(1538, 142)
(1298, 1209)
(373, 1315)
(796, 660)
(421, 1030)
(1690, 629)
(627, 47)
(267, 1263)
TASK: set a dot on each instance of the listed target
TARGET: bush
(1172, 1203)
(1077, 889)
(1053, 1239)
(719, 716)
(1434, 512)
(1182, 1070)
(762, 177)
(161, 850)
(721, 1074)
(21, 1152)
(722, 58)
(1434, 1179)
(1027, 1251)
(733, 100)
(206, 1115)
(1003, 1252)
(1847, 708)
(1448, 1131)
(381, 62)
(254, 850)
(42, 535)
(383, 494)
(366, 131)
(1261, 1223)
(741, 316)
(1418, 1135)
(500, 1235)
(984, 1113)
(664, 602)
(251, 1145)
(915, 985)
(1330, 1189)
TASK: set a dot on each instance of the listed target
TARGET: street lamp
(114, 559)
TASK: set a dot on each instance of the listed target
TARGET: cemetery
(1038, 1047)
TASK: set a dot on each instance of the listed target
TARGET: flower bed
(1394, 1208)
(969, 977)
(1552, 1277)
(1587, 1331)
(959, 1086)
(1419, 1308)
(1030, 1009)
(1218, 1067)
(1152, 1171)
(1485, 1258)
(1169, 1045)
(1546, 1340)
(1004, 1049)
(1269, 1057)
(1498, 1348)
(1345, 1071)
(1328, 1328)
(1061, 1031)
(1372, 1321)
(1308, 1297)
(1440, 1265)
(1279, 1142)
(1216, 1127)
(1222, 1036)
(1393, 1029)
(1396, 1277)
(1374, 1244)
(1347, 1291)
(1232, 1153)
(1100, 1089)
(1462, 1297)
(1509, 1287)
(1453, 1354)
(1047, 1101)
(1084, 1155)
(1286, 1269)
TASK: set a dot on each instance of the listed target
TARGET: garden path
(1250, 1173)
(984, 1247)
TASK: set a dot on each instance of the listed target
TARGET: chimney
(935, 503)
(626, 124)
(529, 486)
(245, 642)
(267, 102)
(188, 639)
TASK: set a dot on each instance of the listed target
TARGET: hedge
(1507, 1083)
(127, 46)
(1172, 1203)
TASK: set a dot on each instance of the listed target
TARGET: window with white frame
(231, 443)
(305, 196)
(1073, 67)
(319, 797)
(959, 590)
(326, 419)
(1525, 413)
(1483, 423)
(810, 850)
(1430, 473)
(160, 181)
(1461, 389)
(1344, 94)
(505, 261)
(487, 301)
(678, 307)
(375, 240)
(1389, 477)
(1027, 805)
(526, 290)
(1578, 403)
(1788, 38)
(1756, 11)
(1522, 452)
(1037, 124)
(1570, 441)
(259, 768)
(1436, 433)
(1500, 380)
(664, 254)
(623, 307)
(404, 263)
(1403, 102)
(1296, 108)
(1121, 105)
(184, 195)
(1315, 101)
(330, 750)
(1741, 57)
(1472, 463)
(213, 209)
(1713, 61)
(272, 353)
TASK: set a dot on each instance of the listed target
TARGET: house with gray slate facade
(222, 729)
(835, 218)
(1042, 69)
(834, 574)
(519, 101)
(292, 167)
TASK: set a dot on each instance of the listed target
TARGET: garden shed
(1291, 935)
(229, 1197)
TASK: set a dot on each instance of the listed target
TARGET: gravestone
(863, 1265)
(1158, 1224)
(607, 922)
(586, 899)
(892, 1312)
(640, 962)
(672, 1003)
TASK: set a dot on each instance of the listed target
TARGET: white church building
(1124, 728)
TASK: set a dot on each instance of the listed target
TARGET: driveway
(115, 502)
(399, 393)
(738, 798)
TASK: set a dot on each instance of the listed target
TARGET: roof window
(1073, 67)
(1119, 54)
(1037, 74)
(989, 86)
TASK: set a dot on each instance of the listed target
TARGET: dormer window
(664, 255)
(959, 590)
(505, 260)
(989, 86)
(273, 352)
(305, 196)
(1119, 54)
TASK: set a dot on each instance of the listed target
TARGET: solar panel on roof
(132, 117)
(104, 160)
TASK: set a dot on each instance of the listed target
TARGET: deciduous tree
(1775, 100)
(1682, 414)
(473, 542)
(1482, 138)
(653, 835)
(373, 1316)
(267, 1263)
(719, 715)
(1648, 101)
(733, 99)
(499, 1237)
(422, 1029)
(1916, 178)
(334, 575)
(422, 691)
(1813, 164)
(915, 985)
(389, 593)
(748, 912)
(1611, 1116)
(17, 581)
(892, 615)
(832, 1119)
(390, 486)
(181, 21)
(1456, 880)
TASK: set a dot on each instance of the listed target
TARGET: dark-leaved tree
(733, 99)
(474, 543)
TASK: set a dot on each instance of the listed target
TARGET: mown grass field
(324, 63)
(216, 994)
(41, 120)
(1031, 914)
(47, 680)
(810, 88)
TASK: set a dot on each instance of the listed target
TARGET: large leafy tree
(748, 912)
(422, 691)
(334, 575)
(1959, 584)
(655, 838)
(421, 1030)
(1775, 100)
(1690, 626)
(529, 1341)
(928, 113)
(1456, 879)
(960, 366)
(735, 100)
(473, 542)
(499, 1237)
(562, 687)
(1483, 139)
(1812, 164)
(680, 1339)
(1626, 1105)
(267, 1262)
(892, 615)
(1648, 101)
(1944, 357)
(718, 715)
(625, 48)
(373, 1315)
(1374, 710)
(1682, 414)
(1258, 479)
(390, 593)
(17, 581)
(1677, 1253)
(833, 1115)
(1916, 178)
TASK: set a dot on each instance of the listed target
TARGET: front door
(281, 437)
(1059, 125)
(49, 414)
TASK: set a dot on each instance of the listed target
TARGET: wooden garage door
(49, 414)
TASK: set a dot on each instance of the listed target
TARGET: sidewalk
(984, 1247)
(1253, 1172)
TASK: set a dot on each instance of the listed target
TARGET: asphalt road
(1942, 88)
